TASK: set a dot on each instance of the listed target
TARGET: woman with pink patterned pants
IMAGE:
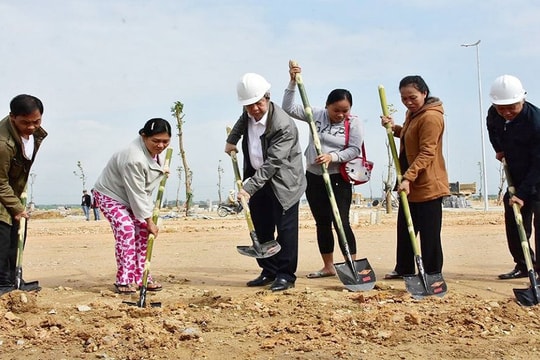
(124, 195)
(130, 235)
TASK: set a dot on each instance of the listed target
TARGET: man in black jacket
(86, 203)
(514, 131)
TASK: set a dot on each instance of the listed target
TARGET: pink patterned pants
(131, 240)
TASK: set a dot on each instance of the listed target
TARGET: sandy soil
(207, 311)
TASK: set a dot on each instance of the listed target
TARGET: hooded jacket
(421, 140)
(331, 135)
(130, 177)
(14, 168)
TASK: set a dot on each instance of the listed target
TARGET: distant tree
(220, 172)
(80, 174)
(179, 171)
(177, 111)
(502, 180)
(32, 180)
(390, 180)
(388, 184)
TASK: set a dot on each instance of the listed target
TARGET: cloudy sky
(102, 68)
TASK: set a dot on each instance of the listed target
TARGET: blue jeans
(96, 213)
(86, 211)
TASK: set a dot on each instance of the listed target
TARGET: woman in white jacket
(123, 192)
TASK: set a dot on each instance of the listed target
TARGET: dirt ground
(207, 311)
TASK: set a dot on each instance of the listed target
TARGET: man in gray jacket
(274, 169)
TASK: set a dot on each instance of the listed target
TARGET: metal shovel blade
(24, 286)
(419, 288)
(142, 300)
(530, 296)
(139, 304)
(20, 284)
(30, 286)
(267, 249)
(363, 280)
(526, 297)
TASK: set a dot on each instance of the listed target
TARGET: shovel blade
(530, 296)
(420, 287)
(24, 286)
(138, 304)
(30, 286)
(526, 297)
(267, 249)
(362, 280)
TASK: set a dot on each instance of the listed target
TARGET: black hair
(156, 126)
(25, 105)
(338, 95)
(416, 81)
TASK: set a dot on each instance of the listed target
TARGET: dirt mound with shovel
(208, 313)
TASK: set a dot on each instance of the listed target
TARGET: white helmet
(251, 88)
(506, 90)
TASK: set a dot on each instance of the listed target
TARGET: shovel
(356, 275)
(530, 296)
(150, 243)
(257, 250)
(421, 284)
(23, 227)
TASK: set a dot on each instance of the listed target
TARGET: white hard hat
(506, 90)
(251, 88)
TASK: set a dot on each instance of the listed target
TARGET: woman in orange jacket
(425, 180)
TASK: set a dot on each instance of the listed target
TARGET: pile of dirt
(299, 324)
(207, 311)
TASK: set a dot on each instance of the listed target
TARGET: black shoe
(281, 284)
(393, 275)
(514, 274)
(262, 280)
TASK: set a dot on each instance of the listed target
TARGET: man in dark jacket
(514, 131)
(86, 203)
(274, 172)
(20, 138)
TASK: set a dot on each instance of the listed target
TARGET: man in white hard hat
(514, 131)
(275, 177)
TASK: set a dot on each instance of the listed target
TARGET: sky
(103, 68)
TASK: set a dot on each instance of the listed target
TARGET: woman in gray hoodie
(330, 122)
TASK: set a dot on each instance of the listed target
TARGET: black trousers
(530, 214)
(8, 251)
(427, 221)
(268, 218)
(319, 204)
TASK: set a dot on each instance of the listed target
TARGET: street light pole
(484, 174)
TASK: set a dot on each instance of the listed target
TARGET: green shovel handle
(402, 194)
